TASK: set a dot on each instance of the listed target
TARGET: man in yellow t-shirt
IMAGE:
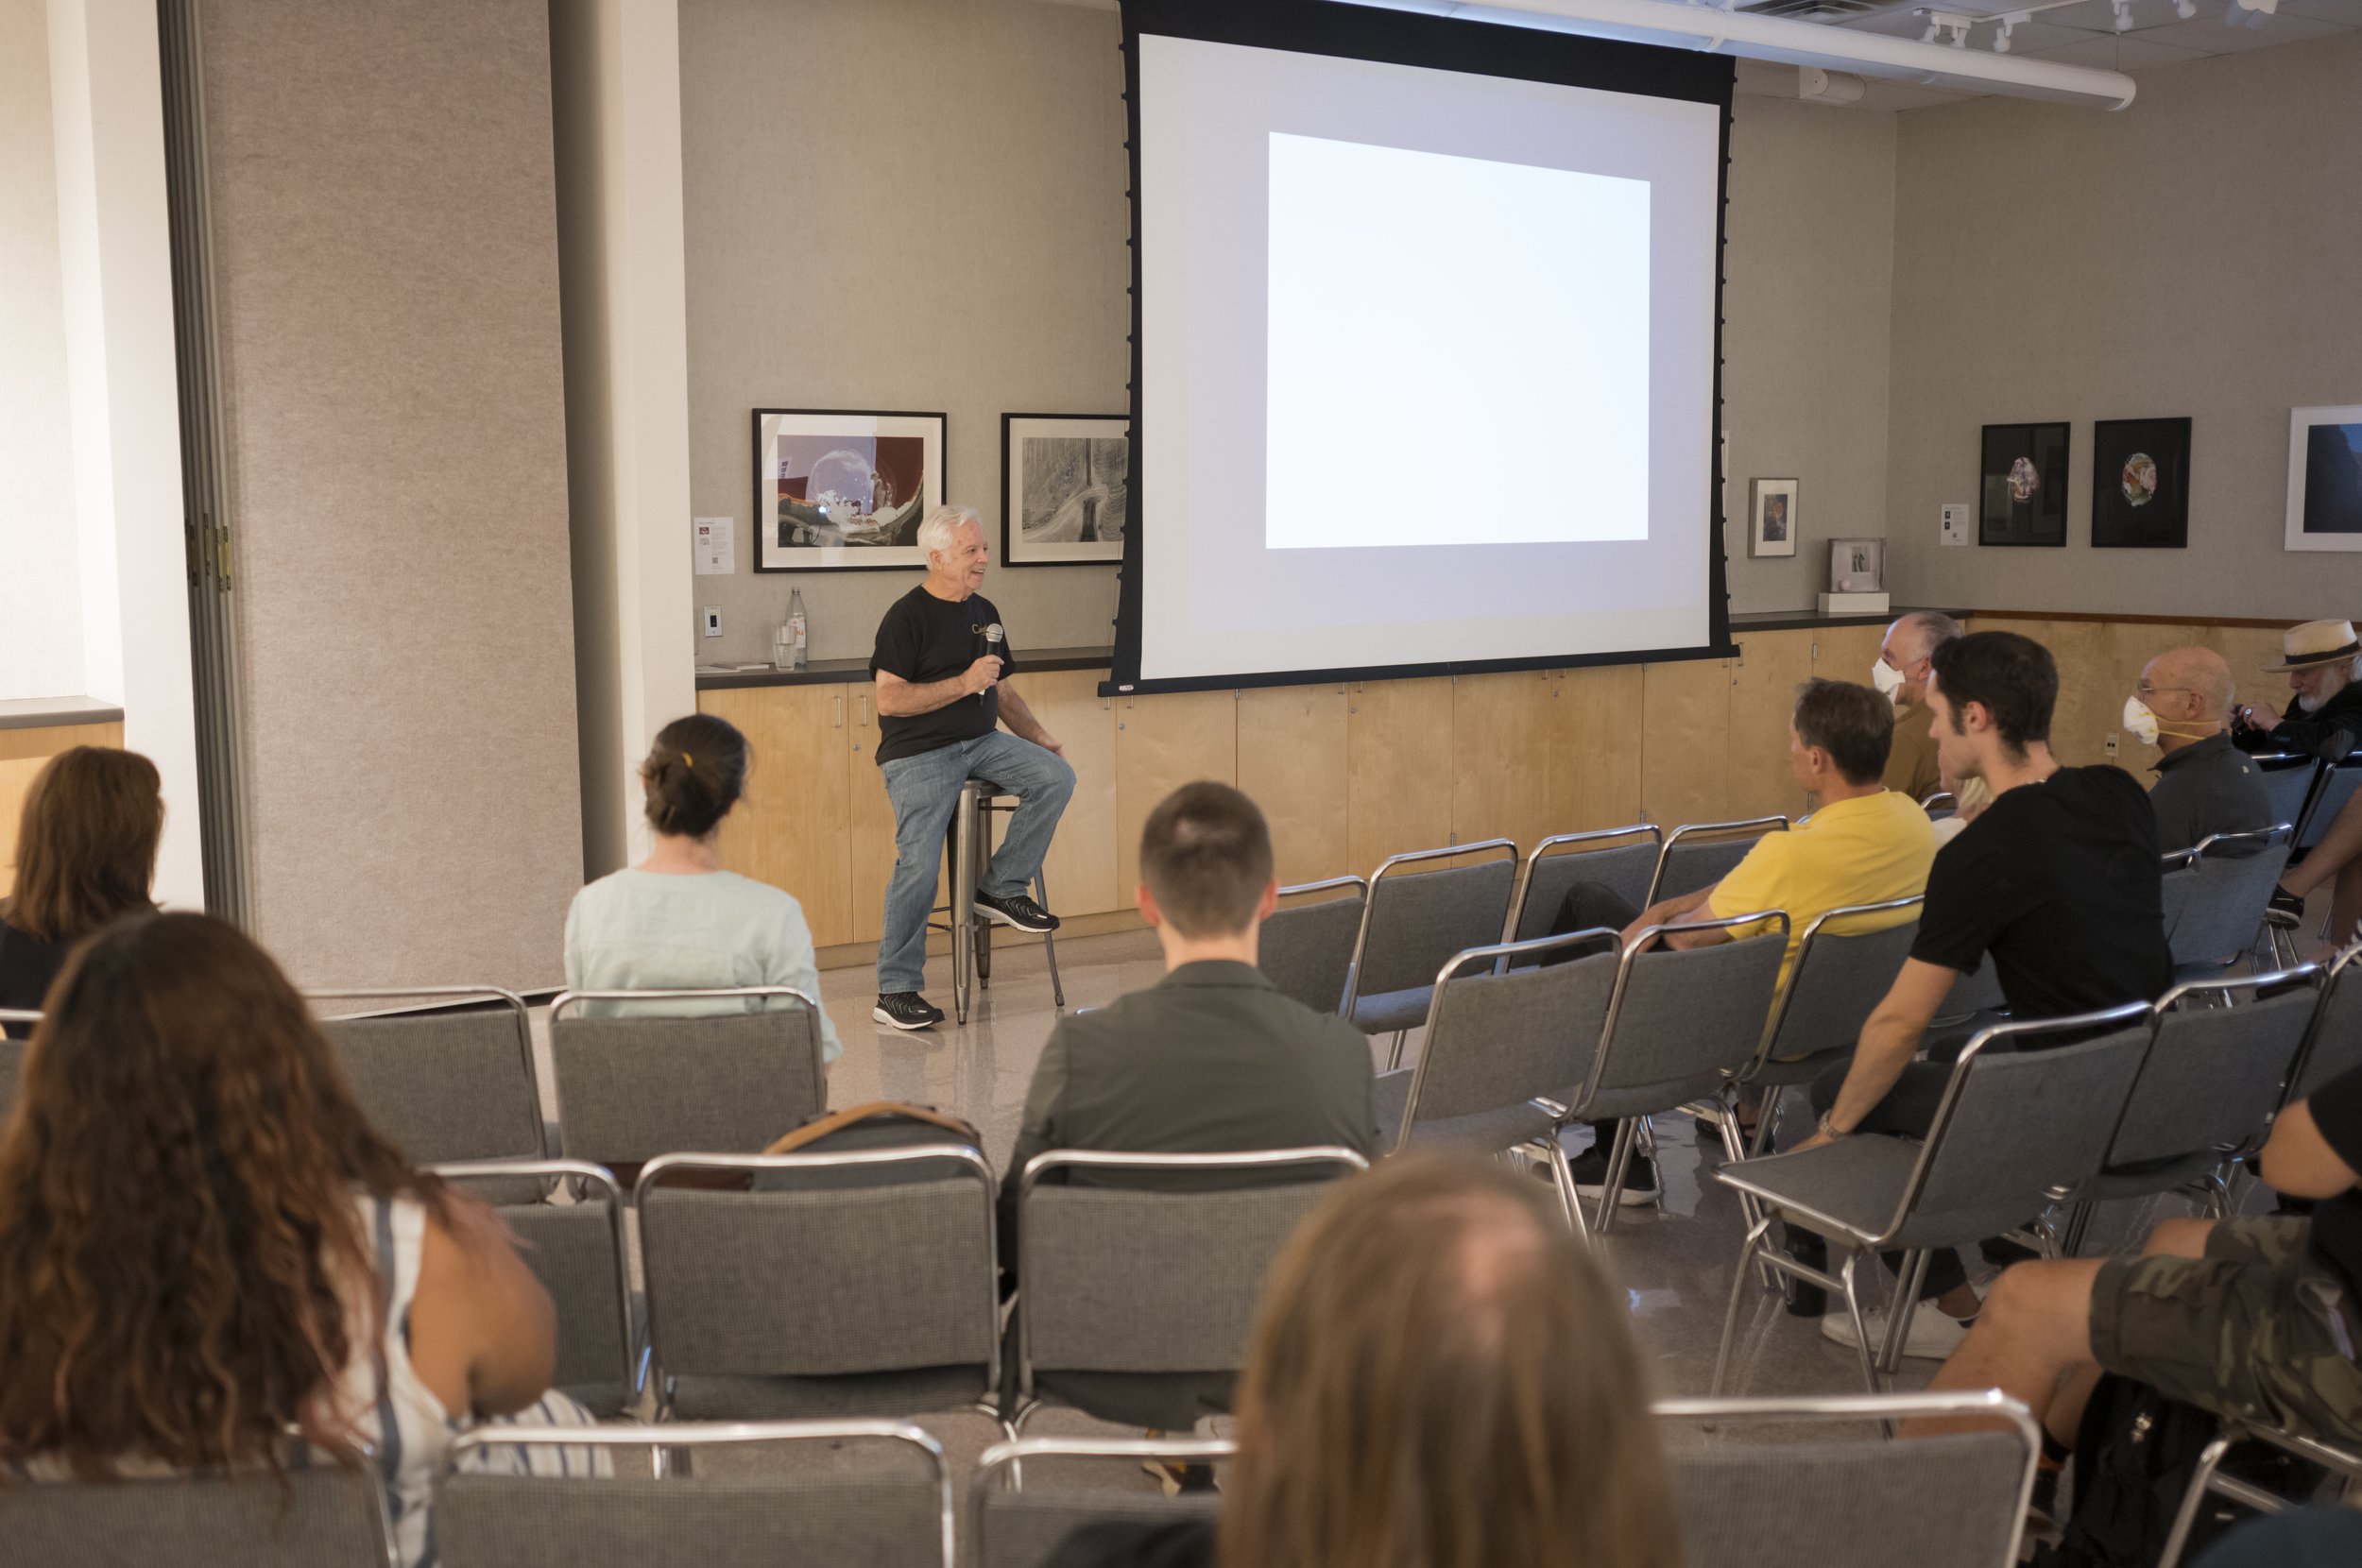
(1865, 845)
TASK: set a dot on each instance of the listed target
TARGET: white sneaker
(1933, 1333)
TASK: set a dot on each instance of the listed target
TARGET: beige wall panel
(1161, 743)
(793, 830)
(1400, 751)
(383, 213)
(1505, 731)
(2247, 650)
(24, 752)
(1292, 759)
(1081, 866)
(1764, 680)
(1684, 745)
(1595, 771)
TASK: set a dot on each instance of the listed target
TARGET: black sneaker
(2288, 906)
(1015, 910)
(1590, 1168)
(905, 1009)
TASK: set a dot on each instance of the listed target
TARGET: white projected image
(1458, 350)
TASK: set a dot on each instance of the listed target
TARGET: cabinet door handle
(864, 710)
(840, 711)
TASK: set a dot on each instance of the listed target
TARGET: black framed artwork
(1064, 488)
(843, 489)
(2141, 484)
(2023, 488)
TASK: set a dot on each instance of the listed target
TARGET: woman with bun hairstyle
(677, 921)
(85, 854)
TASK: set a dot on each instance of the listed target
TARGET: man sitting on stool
(940, 662)
(1866, 844)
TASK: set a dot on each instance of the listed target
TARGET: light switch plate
(713, 621)
(1956, 522)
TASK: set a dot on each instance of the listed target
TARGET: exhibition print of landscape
(1074, 489)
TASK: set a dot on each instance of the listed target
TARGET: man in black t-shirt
(2057, 881)
(2254, 1319)
(941, 661)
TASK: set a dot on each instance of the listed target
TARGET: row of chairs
(886, 1498)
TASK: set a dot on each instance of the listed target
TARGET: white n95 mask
(2139, 721)
(1887, 678)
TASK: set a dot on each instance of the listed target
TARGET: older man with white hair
(941, 664)
(2321, 659)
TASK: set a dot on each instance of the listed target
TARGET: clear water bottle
(799, 631)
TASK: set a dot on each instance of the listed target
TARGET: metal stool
(968, 846)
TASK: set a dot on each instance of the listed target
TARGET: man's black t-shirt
(2060, 882)
(924, 638)
(2336, 1108)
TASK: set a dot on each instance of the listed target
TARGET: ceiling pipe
(1706, 27)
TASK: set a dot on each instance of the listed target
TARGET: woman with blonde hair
(1440, 1377)
(85, 854)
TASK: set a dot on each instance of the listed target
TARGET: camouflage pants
(2255, 1330)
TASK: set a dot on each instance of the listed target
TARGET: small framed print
(1772, 517)
(1858, 566)
(843, 489)
(2325, 478)
(1066, 483)
(2022, 496)
(2141, 484)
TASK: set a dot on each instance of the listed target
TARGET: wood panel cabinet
(1684, 741)
(1293, 760)
(788, 830)
(1398, 747)
(1764, 678)
(1163, 743)
(1081, 866)
(24, 752)
(1596, 733)
(1505, 732)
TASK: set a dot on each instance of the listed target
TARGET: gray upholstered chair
(1977, 992)
(1134, 1300)
(1622, 858)
(2331, 790)
(2014, 1127)
(453, 1083)
(327, 1516)
(2334, 1043)
(1700, 854)
(1835, 985)
(860, 1282)
(1413, 921)
(2343, 1466)
(2289, 778)
(678, 1072)
(1835, 1499)
(1012, 1528)
(2207, 1089)
(1305, 949)
(1680, 1027)
(1505, 1047)
(576, 1251)
(2215, 903)
(883, 1502)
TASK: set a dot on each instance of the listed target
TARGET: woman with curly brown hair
(203, 1244)
(85, 854)
(1440, 1377)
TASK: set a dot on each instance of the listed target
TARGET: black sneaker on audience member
(1590, 1168)
(1019, 911)
(905, 1009)
(2286, 903)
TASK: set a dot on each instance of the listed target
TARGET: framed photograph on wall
(843, 489)
(2141, 484)
(1772, 517)
(2325, 478)
(2023, 485)
(1064, 488)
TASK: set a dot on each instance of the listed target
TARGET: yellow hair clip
(687, 760)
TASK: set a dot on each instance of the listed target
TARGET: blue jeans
(925, 790)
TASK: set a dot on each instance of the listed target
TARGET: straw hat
(2317, 642)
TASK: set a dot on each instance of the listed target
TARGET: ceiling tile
(2119, 54)
(2206, 32)
(2348, 11)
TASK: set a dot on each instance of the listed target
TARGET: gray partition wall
(381, 205)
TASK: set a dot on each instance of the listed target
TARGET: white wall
(41, 592)
(2198, 254)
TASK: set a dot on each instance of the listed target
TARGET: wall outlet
(713, 620)
(1956, 522)
(2112, 745)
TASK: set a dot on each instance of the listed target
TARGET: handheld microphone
(989, 640)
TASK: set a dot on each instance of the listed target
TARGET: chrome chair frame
(1559, 840)
(989, 1286)
(1097, 1159)
(520, 1014)
(673, 1437)
(2319, 807)
(1777, 823)
(1547, 1148)
(2263, 839)
(564, 1000)
(2207, 1478)
(1951, 802)
(2332, 973)
(1753, 1255)
(1627, 1131)
(1369, 904)
(969, 849)
(597, 1176)
(1010, 1457)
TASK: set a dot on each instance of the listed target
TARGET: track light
(2124, 15)
(2185, 8)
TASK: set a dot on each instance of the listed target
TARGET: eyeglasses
(2146, 690)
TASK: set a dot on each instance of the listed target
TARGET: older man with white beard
(2321, 658)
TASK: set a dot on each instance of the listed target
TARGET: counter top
(43, 712)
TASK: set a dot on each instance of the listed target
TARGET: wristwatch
(1830, 1130)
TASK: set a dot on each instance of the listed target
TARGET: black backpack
(2135, 1455)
